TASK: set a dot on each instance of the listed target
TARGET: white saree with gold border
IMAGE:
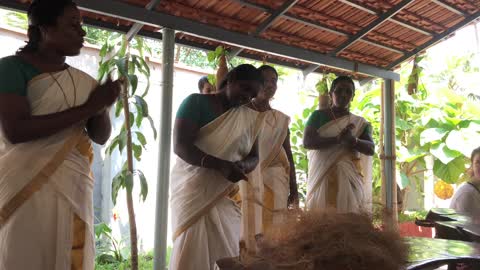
(337, 177)
(46, 187)
(265, 195)
(205, 220)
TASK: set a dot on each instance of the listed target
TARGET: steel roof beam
(269, 21)
(449, 7)
(364, 31)
(468, 19)
(313, 24)
(137, 26)
(375, 12)
(140, 15)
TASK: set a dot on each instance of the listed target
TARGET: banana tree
(117, 60)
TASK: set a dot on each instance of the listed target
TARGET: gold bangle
(356, 141)
(203, 160)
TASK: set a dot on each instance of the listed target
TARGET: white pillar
(165, 134)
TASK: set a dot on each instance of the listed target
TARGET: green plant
(299, 152)
(109, 249)
(16, 20)
(214, 57)
(116, 58)
(322, 85)
(145, 262)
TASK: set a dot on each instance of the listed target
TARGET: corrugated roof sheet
(321, 25)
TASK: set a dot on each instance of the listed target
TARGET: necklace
(258, 109)
(336, 122)
(63, 91)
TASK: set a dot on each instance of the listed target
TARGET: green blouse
(198, 109)
(15, 75)
(319, 118)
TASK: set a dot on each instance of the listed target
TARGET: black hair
(202, 82)
(245, 72)
(267, 67)
(42, 13)
(342, 79)
(475, 152)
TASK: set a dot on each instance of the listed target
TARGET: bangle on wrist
(202, 161)
(356, 141)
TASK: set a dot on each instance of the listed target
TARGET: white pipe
(389, 145)
(165, 135)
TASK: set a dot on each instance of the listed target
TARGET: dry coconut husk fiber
(324, 240)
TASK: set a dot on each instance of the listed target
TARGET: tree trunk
(131, 210)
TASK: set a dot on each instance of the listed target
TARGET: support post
(389, 154)
(165, 131)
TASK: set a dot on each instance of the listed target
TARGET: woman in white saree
(273, 185)
(215, 140)
(339, 157)
(49, 112)
(466, 199)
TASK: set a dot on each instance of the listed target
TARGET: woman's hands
(104, 95)
(346, 136)
(232, 171)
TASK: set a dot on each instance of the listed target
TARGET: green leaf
(143, 67)
(129, 181)
(444, 154)
(133, 80)
(212, 79)
(131, 119)
(219, 51)
(152, 124)
(122, 66)
(137, 151)
(102, 228)
(405, 182)
(117, 182)
(118, 108)
(112, 146)
(211, 57)
(147, 88)
(141, 138)
(143, 185)
(450, 172)
(402, 124)
(123, 47)
(132, 68)
(306, 113)
(431, 135)
(139, 119)
(294, 140)
(463, 140)
(103, 70)
(122, 142)
(143, 104)
(103, 50)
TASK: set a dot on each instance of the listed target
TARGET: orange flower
(115, 215)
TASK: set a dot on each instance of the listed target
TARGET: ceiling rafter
(437, 38)
(398, 21)
(328, 28)
(268, 22)
(374, 24)
(136, 27)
